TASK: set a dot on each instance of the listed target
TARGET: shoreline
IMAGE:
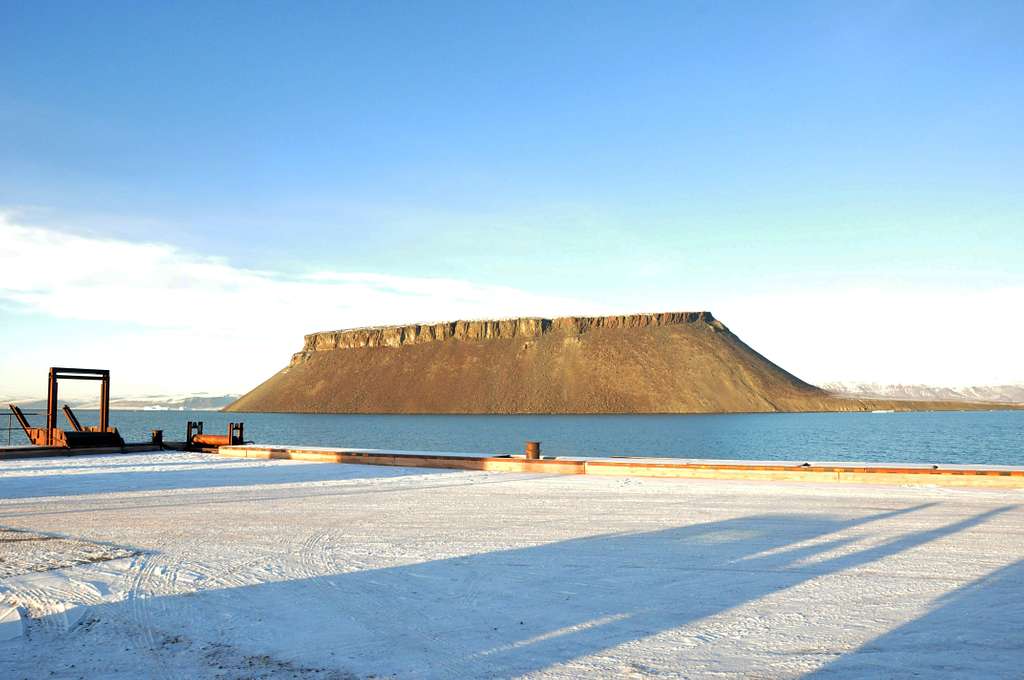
(1005, 476)
(953, 407)
(906, 474)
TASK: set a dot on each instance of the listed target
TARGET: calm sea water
(995, 437)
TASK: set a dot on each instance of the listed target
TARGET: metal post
(533, 450)
(51, 407)
(105, 402)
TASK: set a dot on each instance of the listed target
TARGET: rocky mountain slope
(683, 362)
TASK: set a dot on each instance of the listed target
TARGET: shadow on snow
(511, 612)
(976, 631)
(212, 473)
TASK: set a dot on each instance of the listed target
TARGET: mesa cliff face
(679, 362)
(501, 329)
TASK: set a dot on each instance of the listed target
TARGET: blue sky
(611, 156)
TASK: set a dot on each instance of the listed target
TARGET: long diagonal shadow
(510, 612)
(724, 584)
(267, 493)
(202, 477)
(972, 632)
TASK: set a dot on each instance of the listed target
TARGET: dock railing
(12, 427)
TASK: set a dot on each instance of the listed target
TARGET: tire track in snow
(143, 579)
(373, 608)
(321, 571)
(47, 606)
(157, 581)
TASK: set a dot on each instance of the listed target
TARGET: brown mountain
(681, 362)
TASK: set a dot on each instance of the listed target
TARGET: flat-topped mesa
(528, 327)
(680, 362)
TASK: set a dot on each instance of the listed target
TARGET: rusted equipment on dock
(197, 440)
(78, 436)
(72, 419)
(533, 450)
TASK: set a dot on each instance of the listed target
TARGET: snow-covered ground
(182, 565)
(1009, 394)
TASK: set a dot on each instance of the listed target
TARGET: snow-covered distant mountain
(995, 393)
(200, 401)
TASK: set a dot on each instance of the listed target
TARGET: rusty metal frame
(73, 419)
(58, 373)
(53, 436)
(20, 415)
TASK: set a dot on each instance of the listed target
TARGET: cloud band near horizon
(217, 326)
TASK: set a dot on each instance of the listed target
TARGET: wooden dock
(1002, 476)
(995, 476)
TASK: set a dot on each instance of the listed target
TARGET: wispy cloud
(186, 322)
(226, 326)
(160, 285)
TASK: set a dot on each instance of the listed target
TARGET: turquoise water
(993, 437)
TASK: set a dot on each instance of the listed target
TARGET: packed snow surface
(179, 565)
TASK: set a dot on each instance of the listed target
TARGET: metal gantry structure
(78, 436)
